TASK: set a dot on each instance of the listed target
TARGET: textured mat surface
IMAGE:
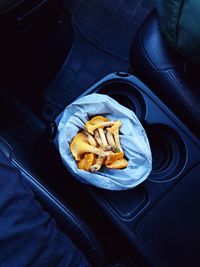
(85, 65)
(103, 31)
(110, 24)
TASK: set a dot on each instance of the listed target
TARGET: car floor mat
(110, 24)
(101, 46)
(85, 65)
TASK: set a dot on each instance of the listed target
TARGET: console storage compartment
(139, 213)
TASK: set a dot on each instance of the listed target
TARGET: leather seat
(166, 72)
(67, 220)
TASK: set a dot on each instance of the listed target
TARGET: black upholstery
(5, 4)
(36, 37)
(166, 72)
(67, 220)
(19, 18)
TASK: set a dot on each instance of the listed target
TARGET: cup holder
(168, 148)
(128, 96)
(168, 152)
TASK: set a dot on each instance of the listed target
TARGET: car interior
(52, 52)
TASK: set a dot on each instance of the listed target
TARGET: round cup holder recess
(167, 147)
(168, 152)
(128, 96)
(134, 102)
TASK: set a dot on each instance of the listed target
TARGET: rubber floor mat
(103, 32)
(85, 65)
(110, 24)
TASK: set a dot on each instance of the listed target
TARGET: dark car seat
(67, 220)
(166, 72)
(36, 36)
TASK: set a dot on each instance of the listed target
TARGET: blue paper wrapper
(133, 140)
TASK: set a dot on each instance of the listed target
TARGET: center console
(160, 217)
